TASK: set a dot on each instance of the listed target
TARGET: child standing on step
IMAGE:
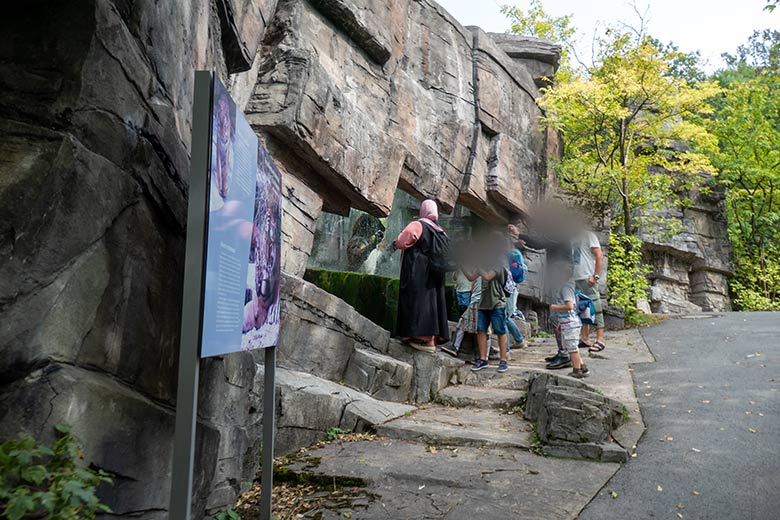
(568, 320)
(468, 319)
(492, 306)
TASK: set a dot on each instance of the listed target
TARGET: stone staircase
(363, 380)
(468, 449)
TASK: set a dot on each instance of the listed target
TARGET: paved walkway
(712, 407)
(470, 455)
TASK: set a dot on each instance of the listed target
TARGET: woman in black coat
(422, 305)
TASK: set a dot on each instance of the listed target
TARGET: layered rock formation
(354, 98)
(691, 268)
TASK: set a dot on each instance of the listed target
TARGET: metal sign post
(269, 418)
(233, 179)
(192, 303)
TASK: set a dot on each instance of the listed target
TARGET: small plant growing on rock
(38, 481)
(227, 515)
(335, 433)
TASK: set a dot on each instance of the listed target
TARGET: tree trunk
(627, 221)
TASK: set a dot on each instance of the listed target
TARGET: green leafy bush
(38, 481)
(627, 276)
(227, 515)
(756, 283)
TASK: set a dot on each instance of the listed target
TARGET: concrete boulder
(571, 418)
(380, 376)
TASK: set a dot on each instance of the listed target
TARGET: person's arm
(569, 305)
(488, 275)
(409, 236)
(595, 248)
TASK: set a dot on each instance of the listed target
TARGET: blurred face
(558, 273)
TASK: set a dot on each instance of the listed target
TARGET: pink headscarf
(429, 213)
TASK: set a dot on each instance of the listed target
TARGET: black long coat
(422, 305)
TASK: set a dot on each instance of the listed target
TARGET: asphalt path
(711, 404)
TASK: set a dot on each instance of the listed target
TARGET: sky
(710, 26)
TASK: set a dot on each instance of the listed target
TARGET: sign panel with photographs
(243, 237)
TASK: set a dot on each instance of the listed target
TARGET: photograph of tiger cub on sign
(261, 311)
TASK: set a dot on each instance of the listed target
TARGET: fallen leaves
(695, 493)
(752, 430)
(613, 494)
(433, 450)
(660, 488)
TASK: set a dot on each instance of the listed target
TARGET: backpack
(440, 256)
(517, 266)
(585, 308)
(509, 286)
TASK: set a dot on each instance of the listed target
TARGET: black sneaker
(450, 349)
(550, 359)
(561, 362)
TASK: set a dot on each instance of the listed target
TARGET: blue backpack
(585, 308)
(517, 266)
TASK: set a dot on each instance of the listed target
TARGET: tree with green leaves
(631, 116)
(746, 121)
(623, 122)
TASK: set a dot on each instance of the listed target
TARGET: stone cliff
(354, 99)
(691, 268)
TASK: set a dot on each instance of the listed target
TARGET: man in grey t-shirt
(588, 260)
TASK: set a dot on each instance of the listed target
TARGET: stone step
(462, 396)
(309, 406)
(395, 479)
(432, 372)
(447, 426)
(516, 378)
(380, 376)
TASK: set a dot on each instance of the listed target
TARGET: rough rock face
(691, 269)
(573, 420)
(354, 98)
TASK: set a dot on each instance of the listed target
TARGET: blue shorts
(495, 317)
(464, 298)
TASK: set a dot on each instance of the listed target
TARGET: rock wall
(691, 269)
(354, 99)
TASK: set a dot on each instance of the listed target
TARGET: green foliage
(37, 481)
(335, 433)
(623, 122)
(227, 515)
(746, 121)
(627, 276)
(537, 23)
(771, 5)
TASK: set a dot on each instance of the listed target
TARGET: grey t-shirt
(583, 259)
(568, 319)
